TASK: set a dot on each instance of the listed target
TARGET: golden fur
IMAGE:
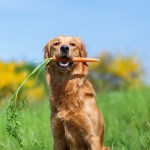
(76, 121)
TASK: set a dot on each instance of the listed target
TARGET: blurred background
(116, 32)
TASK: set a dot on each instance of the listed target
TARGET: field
(123, 129)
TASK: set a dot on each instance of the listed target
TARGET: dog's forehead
(65, 38)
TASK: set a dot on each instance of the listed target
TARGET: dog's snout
(64, 49)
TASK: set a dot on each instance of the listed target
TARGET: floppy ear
(47, 50)
(83, 52)
(47, 54)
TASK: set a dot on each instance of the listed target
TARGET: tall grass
(121, 128)
(13, 123)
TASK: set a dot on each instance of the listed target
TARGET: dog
(76, 121)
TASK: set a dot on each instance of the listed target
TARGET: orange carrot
(77, 59)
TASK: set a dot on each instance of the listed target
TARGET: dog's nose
(64, 49)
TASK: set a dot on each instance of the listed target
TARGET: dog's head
(65, 48)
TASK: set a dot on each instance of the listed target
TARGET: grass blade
(140, 130)
(13, 126)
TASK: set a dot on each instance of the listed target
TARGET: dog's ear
(47, 54)
(47, 50)
(83, 52)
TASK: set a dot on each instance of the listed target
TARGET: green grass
(126, 114)
(121, 128)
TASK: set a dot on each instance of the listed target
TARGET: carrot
(77, 59)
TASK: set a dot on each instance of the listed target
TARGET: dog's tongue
(64, 59)
(63, 62)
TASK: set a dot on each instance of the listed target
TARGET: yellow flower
(35, 93)
(11, 78)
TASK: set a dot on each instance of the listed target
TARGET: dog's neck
(66, 85)
(59, 78)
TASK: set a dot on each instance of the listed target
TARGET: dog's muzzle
(64, 57)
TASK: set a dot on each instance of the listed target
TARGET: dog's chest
(67, 97)
(72, 127)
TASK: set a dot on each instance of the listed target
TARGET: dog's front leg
(58, 134)
(60, 144)
(94, 144)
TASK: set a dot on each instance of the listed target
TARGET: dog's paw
(106, 148)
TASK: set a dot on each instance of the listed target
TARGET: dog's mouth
(65, 62)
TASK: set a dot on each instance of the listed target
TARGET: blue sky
(118, 26)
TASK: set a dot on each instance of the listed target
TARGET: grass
(13, 125)
(122, 130)
(126, 114)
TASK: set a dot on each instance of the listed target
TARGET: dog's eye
(56, 43)
(72, 44)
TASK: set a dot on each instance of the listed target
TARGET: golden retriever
(76, 121)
